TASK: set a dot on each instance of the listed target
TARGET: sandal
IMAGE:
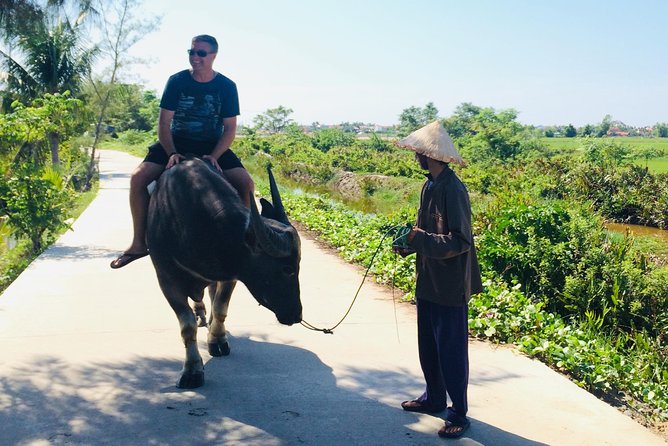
(418, 406)
(454, 430)
(127, 257)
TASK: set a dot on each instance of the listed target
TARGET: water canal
(660, 235)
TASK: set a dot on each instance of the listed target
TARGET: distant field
(658, 165)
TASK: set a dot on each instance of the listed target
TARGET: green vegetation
(37, 197)
(588, 302)
(580, 344)
(637, 148)
(39, 193)
(132, 141)
(17, 258)
(558, 285)
(48, 100)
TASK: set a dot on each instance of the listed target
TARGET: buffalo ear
(268, 210)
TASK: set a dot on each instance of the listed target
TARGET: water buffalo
(201, 235)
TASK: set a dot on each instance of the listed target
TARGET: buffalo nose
(290, 320)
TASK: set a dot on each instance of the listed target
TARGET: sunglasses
(199, 53)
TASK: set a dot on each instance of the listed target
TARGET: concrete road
(91, 355)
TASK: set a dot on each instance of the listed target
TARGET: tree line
(50, 96)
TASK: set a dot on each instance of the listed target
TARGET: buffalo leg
(193, 368)
(200, 311)
(220, 294)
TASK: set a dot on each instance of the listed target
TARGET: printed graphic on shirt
(198, 117)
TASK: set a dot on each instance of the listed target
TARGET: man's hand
(403, 252)
(403, 237)
(213, 161)
(173, 160)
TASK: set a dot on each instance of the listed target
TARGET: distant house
(616, 131)
(383, 128)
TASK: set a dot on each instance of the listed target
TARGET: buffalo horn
(274, 243)
(276, 199)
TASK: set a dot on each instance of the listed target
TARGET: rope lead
(331, 330)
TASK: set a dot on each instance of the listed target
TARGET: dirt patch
(347, 185)
(355, 186)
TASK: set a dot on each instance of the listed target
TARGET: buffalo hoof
(191, 380)
(219, 348)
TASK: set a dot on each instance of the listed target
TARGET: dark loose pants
(444, 357)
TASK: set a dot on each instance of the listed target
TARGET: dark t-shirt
(199, 106)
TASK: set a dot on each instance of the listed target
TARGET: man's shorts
(228, 160)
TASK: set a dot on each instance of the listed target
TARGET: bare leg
(142, 176)
(220, 293)
(242, 182)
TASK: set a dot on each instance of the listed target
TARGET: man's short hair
(207, 39)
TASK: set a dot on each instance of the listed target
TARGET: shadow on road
(79, 252)
(263, 393)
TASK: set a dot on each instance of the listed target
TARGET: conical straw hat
(433, 142)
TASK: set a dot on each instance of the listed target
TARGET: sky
(333, 61)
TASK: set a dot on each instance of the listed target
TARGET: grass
(14, 261)
(83, 200)
(656, 165)
(137, 147)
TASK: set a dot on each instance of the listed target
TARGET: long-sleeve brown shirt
(447, 267)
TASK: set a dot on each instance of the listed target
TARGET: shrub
(133, 137)
(36, 203)
(565, 258)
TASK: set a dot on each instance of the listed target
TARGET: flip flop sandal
(453, 430)
(418, 406)
(127, 257)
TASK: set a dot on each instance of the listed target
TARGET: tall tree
(15, 14)
(412, 118)
(484, 133)
(660, 130)
(121, 29)
(429, 113)
(274, 120)
(604, 126)
(570, 132)
(588, 130)
(48, 54)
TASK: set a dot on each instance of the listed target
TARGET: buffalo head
(272, 274)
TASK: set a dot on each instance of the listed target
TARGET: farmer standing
(447, 275)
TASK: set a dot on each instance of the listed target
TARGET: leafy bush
(633, 363)
(326, 139)
(566, 259)
(628, 194)
(356, 235)
(36, 203)
(133, 137)
(594, 361)
(528, 244)
(15, 261)
(593, 305)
